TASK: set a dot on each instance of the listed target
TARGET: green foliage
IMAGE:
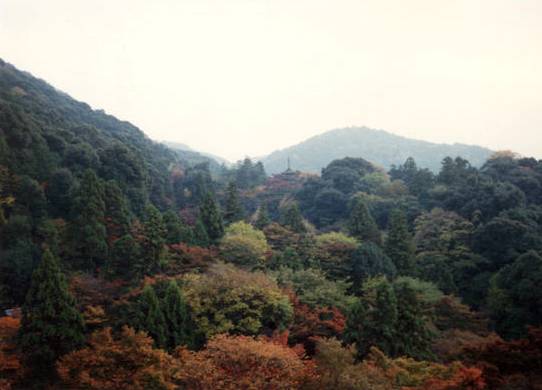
(399, 245)
(368, 261)
(233, 210)
(153, 245)
(262, 219)
(333, 254)
(392, 317)
(201, 238)
(515, 297)
(244, 246)
(51, 325)
(361, 224)
(312, 288)
(88, 229)
(117, 216)
(150, 316)
(292, 219)
(227, 299)
(180, 330)
(125, 257)
(177, 230)
(211, 218)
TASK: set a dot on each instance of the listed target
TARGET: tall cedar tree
(174, 227)
(200, 236)
(117, 218)
(361, 224)
(399, 244)
(211, 217)
(153, 246)
(125, 254)
(151, 317)
(262, 219)
(51, 325)
(413, 336)
(368, 261)
(293, 220)
(233, 211)
(179, 325)
(373, 321)
(89, 232)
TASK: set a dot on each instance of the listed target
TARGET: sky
(245, 77)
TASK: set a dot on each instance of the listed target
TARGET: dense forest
(124, 265)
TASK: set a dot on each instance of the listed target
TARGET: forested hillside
(123, 266)
(378, 146)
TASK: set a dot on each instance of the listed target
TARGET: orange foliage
(126, 362)
(310, 324)
(242, 362)
(511, 364)
(10, 364)
(184, 258)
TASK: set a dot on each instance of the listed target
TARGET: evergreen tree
(413, 337)
(233, 211)
(89, 232)
(124, 257)
(369, 260)
(211, 218)
(399, 244)
(361, 224)
(51, 325)
(262, 219)
(179, 326)
(153, 246)
(373, 320)
(151, 317)
(293, 220)
(116, 211)
(174, 227)
(200, 237)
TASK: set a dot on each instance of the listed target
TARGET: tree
(515, 299)
(117, 217)
(201, 238)
(211, 218)
(373, 320)
(292, 219)
(361, 224)
(177, 231)
(127, 361)
(241, 362)
(399, 245)
(233, 211)
(243, 245)
(88, 229)
(369, 261)
(262, 219)
(180, 330)
(153, 245)
(51, 325)
(151, 318)
(124, 258)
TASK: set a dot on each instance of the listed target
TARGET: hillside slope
(43, 129)
(378, 146)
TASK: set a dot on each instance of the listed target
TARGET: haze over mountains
(378, 146)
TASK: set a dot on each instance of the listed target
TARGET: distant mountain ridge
(189, 151)
(378, 146)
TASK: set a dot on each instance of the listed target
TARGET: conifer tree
(399, 244)
(51, 325)
(369, 260)
(116, 211)
(125, 254)
(233, 211)
(211, 218)
(200, 234)
(153, 246)
(174, 227)
(179, 326)
(151, 317)
(89, 232)
(293, 220)
(262, 219)
(361, 224)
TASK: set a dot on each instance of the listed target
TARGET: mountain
(44, 130)
(378, 146)
(192, 156)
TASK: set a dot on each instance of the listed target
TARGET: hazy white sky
(244, 77)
